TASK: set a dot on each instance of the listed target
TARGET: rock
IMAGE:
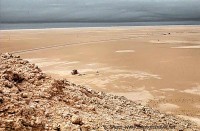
(76, 120)
(25, 95)
(16, 56)
(85, 128)
(1, 100)
(8, 84)
(74, 72)
(56, 127)
(9, 120)
(162, 116)
(92, 108)
(138, 125)
(38, 121)
(6, 56)
(65, 127)
(17, 78)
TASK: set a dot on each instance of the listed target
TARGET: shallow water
(10, 26)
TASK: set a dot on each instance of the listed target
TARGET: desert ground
(156, 66)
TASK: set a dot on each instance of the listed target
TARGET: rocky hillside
(31, 100)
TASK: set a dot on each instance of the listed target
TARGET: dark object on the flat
(74, 72)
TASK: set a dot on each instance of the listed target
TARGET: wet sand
(158, 66)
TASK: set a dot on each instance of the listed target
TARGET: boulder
(74, 72)
(76, 120)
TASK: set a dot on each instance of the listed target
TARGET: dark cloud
(98, 11)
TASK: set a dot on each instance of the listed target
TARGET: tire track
(68, 44)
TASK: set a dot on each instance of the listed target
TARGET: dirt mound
(30, 100)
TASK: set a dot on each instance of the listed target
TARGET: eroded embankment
(31, 100)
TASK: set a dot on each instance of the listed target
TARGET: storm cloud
(99, 10)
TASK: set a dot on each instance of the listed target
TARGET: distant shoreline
(111, 27)
(37, 26)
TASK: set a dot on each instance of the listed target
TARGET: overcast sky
(99, 10)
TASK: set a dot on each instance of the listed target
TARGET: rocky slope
(30, 100)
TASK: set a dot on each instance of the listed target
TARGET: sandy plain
(158, 66)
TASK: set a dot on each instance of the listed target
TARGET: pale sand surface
(159, 66)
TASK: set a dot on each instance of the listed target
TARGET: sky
(99, 10)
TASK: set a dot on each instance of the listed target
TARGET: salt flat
(163, 61)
